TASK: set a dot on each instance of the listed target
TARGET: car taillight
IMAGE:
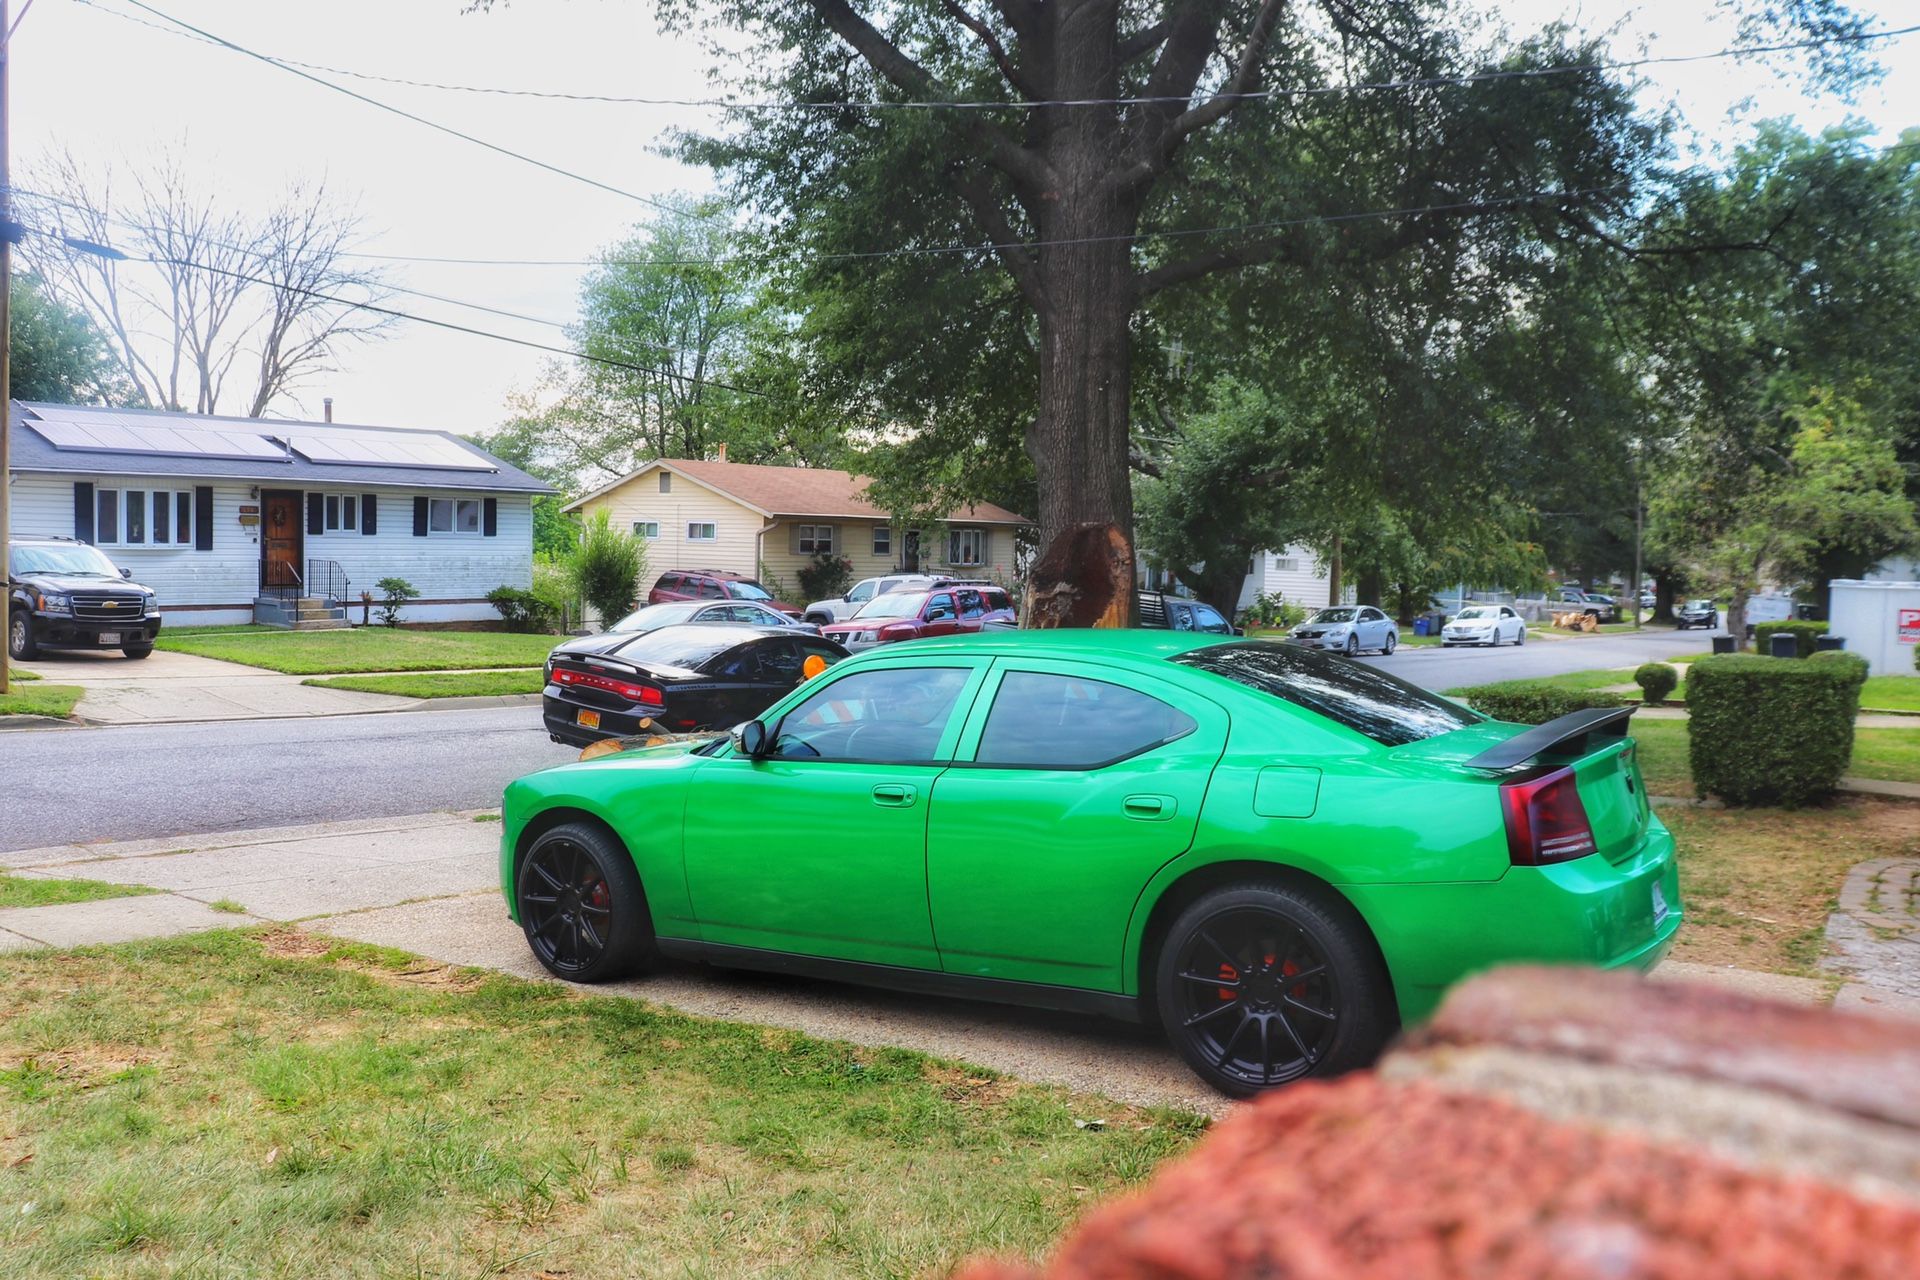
(1546, 821)
(641, 693)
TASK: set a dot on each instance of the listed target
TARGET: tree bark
(1370, 587)
(1333, 572)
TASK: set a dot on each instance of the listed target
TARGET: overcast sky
(114, 92)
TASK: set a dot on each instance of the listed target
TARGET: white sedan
(1489, 624)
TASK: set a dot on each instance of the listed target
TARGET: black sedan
(697, 675)
(1697, 613)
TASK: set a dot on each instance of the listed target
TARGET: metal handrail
(334, 578)
(277, 569)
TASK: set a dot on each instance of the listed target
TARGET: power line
(404, 114)
(991, 104)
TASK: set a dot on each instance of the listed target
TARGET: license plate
(1660, 908)
(591, 720)
(109, 637)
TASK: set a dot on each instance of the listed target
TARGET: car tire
(582, 908)
(20, 641)
(1521, 638)
(1393, 642)
(137, 650)
(1234, 948)
(1353, 646)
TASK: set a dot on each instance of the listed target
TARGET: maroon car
(714, 584)
(913, 615)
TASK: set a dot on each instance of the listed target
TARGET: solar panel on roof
(132, 433)
(336, 447)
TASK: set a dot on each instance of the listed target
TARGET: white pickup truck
(840, 608)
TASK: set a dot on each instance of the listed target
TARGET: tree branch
(1017, 259)
(1143, 41)
(995, 50)
(1251, 253)
(1189, 45)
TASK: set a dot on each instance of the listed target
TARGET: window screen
(1066, 722)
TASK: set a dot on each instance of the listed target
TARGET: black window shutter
(369, 514)
(490, 518)
(82, 510)
(419, 517)
(203, 517)
(316, 513)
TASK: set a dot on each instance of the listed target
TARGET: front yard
(312, 653)
(441, 684)
(255, 1104)
(29, 696)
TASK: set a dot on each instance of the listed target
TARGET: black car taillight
(1546, 820)
(645, 694)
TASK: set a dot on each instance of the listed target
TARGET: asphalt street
(1436, 668)
(121, 783)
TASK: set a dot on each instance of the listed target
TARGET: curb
(475, 700)
(14, 723)
(418, 704)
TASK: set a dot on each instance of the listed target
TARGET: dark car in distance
(714, 584)
(1697, 613)
(64, 594)
(698, 675)
(1157, 611)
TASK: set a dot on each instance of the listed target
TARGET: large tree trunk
(1370, 586)
(1333, 572)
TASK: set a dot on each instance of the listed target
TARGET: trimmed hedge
(1772, 730)
(1522, 703)
(1656, 681)
(1804, 635)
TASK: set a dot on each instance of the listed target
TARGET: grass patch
(1890, 693)
(312, 653)
(29, 891)
(486, 817)
(275, 1103)
(15, 674)
(223, 629)
(42, 700)
(1885, 755)
(226, 906)
(458, 684)
(1759, 883)
(1582, 680)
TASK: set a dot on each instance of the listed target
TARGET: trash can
(1420, 626)
(1829, 643)
(1783, 646)
(1723, 644)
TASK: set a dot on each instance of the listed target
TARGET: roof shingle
(800, 491)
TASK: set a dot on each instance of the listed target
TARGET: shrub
(1522, 702)
(826, 577)
(608, 564)
(394, 594)
(555, 589)
(1656, 681)
(1270, 610)
(1769, 730)
(1803, 633)
(522, 610)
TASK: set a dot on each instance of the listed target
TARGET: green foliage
(1772, 730)
(1526, 702)
(827, 575)
(608, 565)
(1805, 635)
(1656, 681)
(56, 352)
(394, 594)
(554, 587)
(1270, 609)
(523, 610)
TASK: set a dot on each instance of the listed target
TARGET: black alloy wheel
(582, 907)
(1261, 985)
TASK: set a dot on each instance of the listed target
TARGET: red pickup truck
(913, 615)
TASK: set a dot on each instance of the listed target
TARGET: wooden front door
(282, 538)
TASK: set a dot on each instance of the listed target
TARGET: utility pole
(1639, 525)
(9, 232)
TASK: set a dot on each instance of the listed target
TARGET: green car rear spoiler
(1577, 726)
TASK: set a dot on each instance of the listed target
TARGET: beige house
(770, 521)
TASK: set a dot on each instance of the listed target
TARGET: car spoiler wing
(1593, 722)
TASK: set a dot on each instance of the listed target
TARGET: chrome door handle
(893, 794)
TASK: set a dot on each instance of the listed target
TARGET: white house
(225, 517)
(1296, 573)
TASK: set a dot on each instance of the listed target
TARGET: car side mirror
(126, 572)
(750, 739)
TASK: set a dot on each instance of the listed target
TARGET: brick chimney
(721, 451)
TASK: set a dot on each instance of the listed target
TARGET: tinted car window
(941, 606)
(777, 660)
(1383, 707)
(894, 714)
(748, 591)
(1207, 618)
(654, 616)
(1064, 722)
(707, 589)
(668, 582)
(970, 606)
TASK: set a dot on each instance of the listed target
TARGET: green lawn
(1891, 693)
(25, 891)
(41, 700)
(312, 653)
(460, 684)
(278, 1104)
(227, 629)
(1887, 755)
(15, 674)
(1572, 680)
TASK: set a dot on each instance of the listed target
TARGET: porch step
(303, 614)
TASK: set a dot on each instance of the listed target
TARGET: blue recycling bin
(1420, 626)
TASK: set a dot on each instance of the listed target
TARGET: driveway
(175, 688)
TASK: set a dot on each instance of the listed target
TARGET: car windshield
(1699, 606)
(1383, 707)
(1468, 615)
(655, 616)
(76, 560)
(895, 604)
(748, 591)
(688, 646)
(1332, 615)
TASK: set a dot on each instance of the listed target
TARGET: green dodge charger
(1279, 854)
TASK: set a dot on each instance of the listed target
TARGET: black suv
(64, 594)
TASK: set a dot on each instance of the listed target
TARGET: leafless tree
(205, 302)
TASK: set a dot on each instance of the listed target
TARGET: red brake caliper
(1299, 990)
(1227, 974)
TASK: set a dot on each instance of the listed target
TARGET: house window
(666, 482)
(1285, 564)
(453, 515)
(698, 531)
(813, 539)
(440, 515)
(648, 529)
(967, 546)
(350, 513)
(882, 540)
(142, 518)
(333, 511)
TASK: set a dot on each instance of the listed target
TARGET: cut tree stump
(1083, 579)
